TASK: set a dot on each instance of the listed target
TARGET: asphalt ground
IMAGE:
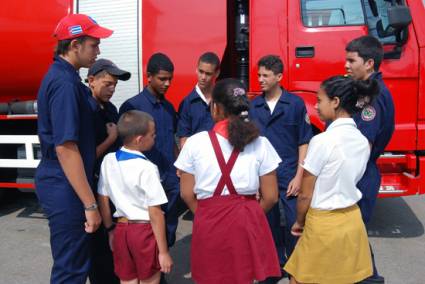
(396, 234)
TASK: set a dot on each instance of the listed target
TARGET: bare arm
(295, 184)
(111, 128)
(105, 210)
(158, 226)
(269, 193)
(187, 183)
(304, 201)
(70, 160)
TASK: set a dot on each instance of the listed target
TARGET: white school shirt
(132, 185)
(198, 158)
(338, 158)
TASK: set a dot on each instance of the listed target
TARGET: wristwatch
(92, 207)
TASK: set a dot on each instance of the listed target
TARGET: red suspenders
(226, 169)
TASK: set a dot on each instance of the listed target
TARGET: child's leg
(153, 280)
(133, 281)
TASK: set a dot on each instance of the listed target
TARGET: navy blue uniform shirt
(376, 123)
(103, 114)
(194, 115)
(287, 128)
(64, 115)
(162, 153)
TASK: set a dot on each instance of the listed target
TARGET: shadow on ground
(25, 202)
(393, 218)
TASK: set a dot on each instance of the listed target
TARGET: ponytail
(354, 95)
(231, 95)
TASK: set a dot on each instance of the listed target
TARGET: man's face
(87, 51)
(356, 67)
(207, 73)
(160, 82)
(267, 79)
(103, 87)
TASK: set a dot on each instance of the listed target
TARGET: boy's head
(103, 77)
(137, 130)
(79, 36)
(364, 55)
(160, 73)
(270, 72)
(208, 69)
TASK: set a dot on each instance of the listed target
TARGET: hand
(111, 239)
(93, 220)
(166, 262)
(178, 173)
(297, 229)
(294, 186)
(112, 130)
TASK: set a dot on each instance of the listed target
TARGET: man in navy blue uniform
(102, 78)
(376, 122)
(282, 118)
(194, 110)
(65, 128)
(163, 154)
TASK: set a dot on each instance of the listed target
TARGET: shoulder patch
(368, 113)
(307, 118)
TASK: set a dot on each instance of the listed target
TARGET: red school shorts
(135, 251)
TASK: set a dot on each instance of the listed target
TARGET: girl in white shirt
(333, 247)
(221, 172)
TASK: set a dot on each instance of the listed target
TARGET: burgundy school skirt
(232, 242)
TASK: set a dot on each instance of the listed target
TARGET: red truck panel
(27, 44)
(183, 30)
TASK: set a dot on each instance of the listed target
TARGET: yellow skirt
(333, 249)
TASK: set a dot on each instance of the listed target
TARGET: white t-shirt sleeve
(185, 160)
(317, 155)
(269, 159)
(150, 181)
(102, 185)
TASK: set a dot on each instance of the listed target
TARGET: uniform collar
(342, 122)
(376, 75)
(221, 127)
(124, 149)
(68, 67)
(284, 98)
(150, 96)
(200, 94)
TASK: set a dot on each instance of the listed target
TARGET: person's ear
(335, 102)
(369, 64)
(74, 45)
(279, 77)
(139, 139)
(90, 80)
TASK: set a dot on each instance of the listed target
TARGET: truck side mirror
(399, 17)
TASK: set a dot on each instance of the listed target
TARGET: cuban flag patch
(75, 30)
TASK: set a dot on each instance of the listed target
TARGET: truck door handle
(304, 51)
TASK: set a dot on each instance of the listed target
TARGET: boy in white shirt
(132, 183)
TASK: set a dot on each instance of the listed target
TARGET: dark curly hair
(231, 95)
(353, 94)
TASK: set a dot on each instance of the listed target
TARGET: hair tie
(238, 92)
(362, 102)
(244, 116)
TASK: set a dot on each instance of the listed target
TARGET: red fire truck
(309, 35)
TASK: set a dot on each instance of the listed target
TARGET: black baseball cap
(110, 67)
